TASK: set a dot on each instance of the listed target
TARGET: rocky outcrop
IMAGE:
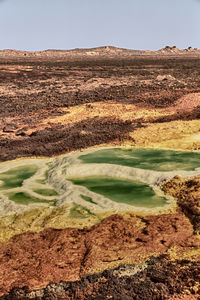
(158, 279)
(34, 260)
(187, 192)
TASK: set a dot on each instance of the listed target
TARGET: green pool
(123, 191)
(151, 159)
(14, 178)
(25, 199)
(120, 190)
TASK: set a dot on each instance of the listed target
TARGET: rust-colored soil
(37, 259)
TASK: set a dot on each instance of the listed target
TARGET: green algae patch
(38, 219)
(148, 159)
(122, 191)
(80, 212)
(41, 181)
(15, 177)
(88, 199)
(46, 192)
(25, 199)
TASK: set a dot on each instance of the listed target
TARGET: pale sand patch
(110, 109)
(169, 135)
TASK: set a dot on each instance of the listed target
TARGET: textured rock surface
(37, 259)
(160, 279)
(187, 191)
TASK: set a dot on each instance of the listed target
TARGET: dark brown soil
(33, 90)
(57, 139)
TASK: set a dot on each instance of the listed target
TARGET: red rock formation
(37, 259)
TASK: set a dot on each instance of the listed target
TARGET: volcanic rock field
(100, 174)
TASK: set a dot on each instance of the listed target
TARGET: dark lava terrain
(34, 90)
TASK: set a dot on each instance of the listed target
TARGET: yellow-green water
(151, 159)
(123, 191)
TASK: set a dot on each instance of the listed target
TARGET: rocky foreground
(57, 102)
(32, 261)
(159, 278)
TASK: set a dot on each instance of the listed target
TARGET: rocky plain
(55, 102)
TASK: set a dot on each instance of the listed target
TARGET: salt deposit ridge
(59, 170)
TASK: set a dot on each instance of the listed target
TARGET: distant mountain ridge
(101, 51)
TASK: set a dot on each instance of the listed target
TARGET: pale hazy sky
(67, 24)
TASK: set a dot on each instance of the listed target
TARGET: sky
(67, 24)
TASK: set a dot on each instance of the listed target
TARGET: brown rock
(188, 194)
(36, 259)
